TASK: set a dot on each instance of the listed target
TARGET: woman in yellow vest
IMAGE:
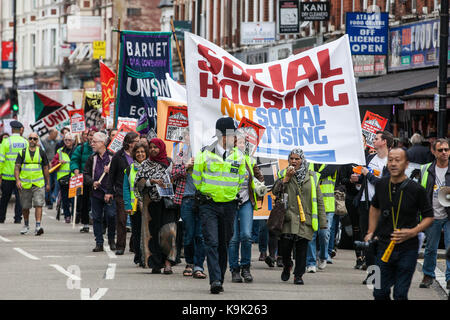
(63, 174)
(299, 189)
(140, 153)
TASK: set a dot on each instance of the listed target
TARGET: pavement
(60, 265)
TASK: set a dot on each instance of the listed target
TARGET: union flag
(107, 78)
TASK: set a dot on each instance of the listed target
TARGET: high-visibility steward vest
(424, 174)
(64, 170)
(218, 178)
(31, 172)
(131, 178)
(11, 146)
(314, 182)
(327, 187)
(251, 162)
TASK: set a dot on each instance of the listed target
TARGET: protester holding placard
(243, 221)
(96, 173)
(140, 153)
(161, 217)
(77, 163)
(49, 145)
(120, 161)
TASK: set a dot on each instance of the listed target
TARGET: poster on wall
(288, 13)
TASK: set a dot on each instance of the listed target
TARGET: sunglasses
(34, 139)
(443, 149)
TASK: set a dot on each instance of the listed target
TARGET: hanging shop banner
(367, 66)
(368, 32)
(315, 11)
(42, 110)
(308, 100)
(145, 58)
(288, 16)
(77, 122)
(107, 79)
(7, 55)
(257, 33)
(76, 186)
(414, 45)
(372, 123)
(92, 105)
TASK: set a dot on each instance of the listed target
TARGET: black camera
(364, 244)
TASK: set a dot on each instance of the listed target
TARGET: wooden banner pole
(117, 74)
(178, 49)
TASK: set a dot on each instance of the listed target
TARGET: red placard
(372, 123)
(254, 133)
(77, 121)
(76, 186)
(117, 143)
(177, 123)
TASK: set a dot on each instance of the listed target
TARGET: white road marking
(57, 256)
(110, 254)
(26, 254)
(85, 293)
(65, 272)
(111, 271)
(4, 239)
(440, 277)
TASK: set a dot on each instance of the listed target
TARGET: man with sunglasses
(434, 176)
(30, 171)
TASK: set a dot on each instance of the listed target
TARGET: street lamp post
(443, 60)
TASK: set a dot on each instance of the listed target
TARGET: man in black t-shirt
(396, 206)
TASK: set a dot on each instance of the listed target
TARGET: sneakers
(262, 256)
(216, 287)
(359, 263)
(84, 230)
(427, 281)
(270, 261)
(245, 273)
(311, 269)
(25, 230)
(235, 276)
(298, 280)
(322, 264)
(39, 231)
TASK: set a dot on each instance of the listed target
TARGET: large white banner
(42, 110)
(308, 100)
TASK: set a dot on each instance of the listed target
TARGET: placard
(129, 122)
(254, 133)
(372, 123)
(77, 121)
(117, 143)
(177, 123)
(76, 185)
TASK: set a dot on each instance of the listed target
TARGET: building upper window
(133, 12)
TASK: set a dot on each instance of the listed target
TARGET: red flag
(107, 78)
(5, 109)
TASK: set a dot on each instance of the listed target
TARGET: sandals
(199, 275)
(168, 270)
(188, 270)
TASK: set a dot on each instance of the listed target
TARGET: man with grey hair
(96, 173)
(418, 153)
(49, 145)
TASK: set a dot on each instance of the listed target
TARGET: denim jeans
(333, 230)
(397, 272)
(99, 210)
(433, 235)
(217, 229)
(263, 235)
(324, 237)
(194, 247)
(255, 233)
(49, 196)
(242, 234)
(66, 202)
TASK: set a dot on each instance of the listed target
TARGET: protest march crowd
(215, 193)
(202, 189)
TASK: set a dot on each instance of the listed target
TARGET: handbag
(169, 204)
(339, 202)
(276, 218)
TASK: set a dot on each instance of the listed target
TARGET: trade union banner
(307, 100)
(145, 58)
(42, 110)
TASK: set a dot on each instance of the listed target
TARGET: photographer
(393, 217)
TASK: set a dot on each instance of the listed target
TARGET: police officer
(8, 154)
(219, 170)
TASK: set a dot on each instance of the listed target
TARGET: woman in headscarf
(305, 212)
(161, 220)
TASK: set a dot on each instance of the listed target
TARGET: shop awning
(423, 99)
(387, 89)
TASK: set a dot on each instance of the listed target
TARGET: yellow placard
(99, 49)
